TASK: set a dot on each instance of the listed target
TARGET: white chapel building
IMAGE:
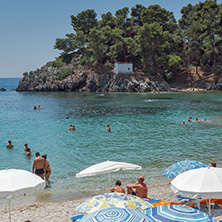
(123, 68)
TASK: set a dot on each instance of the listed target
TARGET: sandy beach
(63, 211)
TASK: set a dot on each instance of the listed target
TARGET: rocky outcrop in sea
(48, 78)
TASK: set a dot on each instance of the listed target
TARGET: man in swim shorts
(39, 164)
(140, 188)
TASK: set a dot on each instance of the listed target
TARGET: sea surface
(146, 130)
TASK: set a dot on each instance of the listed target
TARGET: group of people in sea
(41, 166)
(138, 189)
(72, 127)
(196, 120)
(35, 107)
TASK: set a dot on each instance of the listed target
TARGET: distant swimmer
(72, 127)
(183, 123)
(9, 145)
(197, 120)
(26, 147)
(35, 107)
(67, 117)
(28, 152)
(39, 107)
(213, 164)
(190, 119)
(108, 128)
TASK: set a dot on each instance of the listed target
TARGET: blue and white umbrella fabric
(112, 200)
(177, 213)
(116, 214)
(182, 166)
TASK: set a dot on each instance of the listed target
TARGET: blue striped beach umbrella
(116, 214)
(177, 213)
(182, 166)
(112, 200)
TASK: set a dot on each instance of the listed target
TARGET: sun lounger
(76, 218)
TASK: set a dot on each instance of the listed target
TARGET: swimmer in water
(190, 119)
(108, 128)
(9, 145)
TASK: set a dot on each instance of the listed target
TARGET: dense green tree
(72, 43)
(97, 47)
(155, 13)
(84, 21)
(136, 14)
(107, 19)
(152, 40)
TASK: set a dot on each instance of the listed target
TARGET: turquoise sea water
(145, 129)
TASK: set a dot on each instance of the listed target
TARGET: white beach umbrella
(19, 182)
(107, 167)
(203, 182)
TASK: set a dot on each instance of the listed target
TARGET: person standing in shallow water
(47, 169)
(39, 164)
(108, 128)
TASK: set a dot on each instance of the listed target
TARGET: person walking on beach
(141, 189)
(108, 128)
(9, 145)
(47, 168)
(39, 164)
(117, 188)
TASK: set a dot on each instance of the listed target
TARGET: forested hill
(150, 38)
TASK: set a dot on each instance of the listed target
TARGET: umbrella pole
(209, 208)
(9, 209)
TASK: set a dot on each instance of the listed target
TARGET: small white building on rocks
(123, 68)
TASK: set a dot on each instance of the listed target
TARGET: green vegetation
(150, 38)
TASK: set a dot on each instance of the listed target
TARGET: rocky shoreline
(81, 79)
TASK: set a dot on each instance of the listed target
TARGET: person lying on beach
(118, 187)
(39, 164)
(141, 189)
(9, 145)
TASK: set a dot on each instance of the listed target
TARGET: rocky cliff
(80, 79)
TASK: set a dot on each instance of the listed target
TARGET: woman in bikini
(47, 169)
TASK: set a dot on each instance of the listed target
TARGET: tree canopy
(150, 38)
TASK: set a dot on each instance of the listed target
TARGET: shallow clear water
(145, 129)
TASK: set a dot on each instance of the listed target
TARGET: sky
(29, 28)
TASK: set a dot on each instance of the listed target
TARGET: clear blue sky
(29, 28)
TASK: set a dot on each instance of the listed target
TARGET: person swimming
(9, 145)
(72, 127)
